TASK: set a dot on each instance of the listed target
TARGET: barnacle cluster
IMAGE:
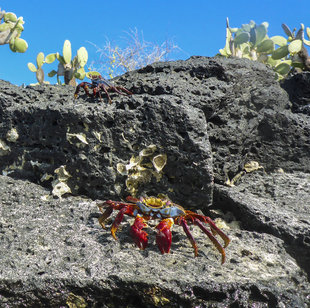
(140, 169)
(60, 186)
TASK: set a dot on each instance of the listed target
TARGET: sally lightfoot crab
(168, 213)
(98, 85)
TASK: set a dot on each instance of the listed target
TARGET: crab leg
(212, 238)
(215, 229)
(132, 199)
(163, 236)
(83, 85)
(184, 224)
(122, 91)
(95, 92)
(126, 209)
(111, 205)
(104, 215)
(139, 236)
(102, 86)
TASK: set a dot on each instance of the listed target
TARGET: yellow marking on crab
(153, 202)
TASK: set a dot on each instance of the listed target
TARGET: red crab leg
(163, 236)
(83, 85)
(102, 86)
(127, 209)
(132, 199)
(184, 224)
(111, 205)
(119, 89)
(214, 228)
(95, 91)
(139, 236)
(212, 238)
(104, 215)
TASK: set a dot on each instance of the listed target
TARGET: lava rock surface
(210, 116)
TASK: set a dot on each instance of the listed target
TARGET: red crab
(98, 84)
(168, 213)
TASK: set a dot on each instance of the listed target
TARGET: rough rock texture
(277, 204)
(46, 119)
(52, 248)
(210, 116)
(248, 114)
(298, 89)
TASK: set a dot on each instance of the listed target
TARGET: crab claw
(139, 236)
(163, 237)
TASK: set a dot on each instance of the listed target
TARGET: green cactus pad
(266, 46)
(308, 32)
(12, 44)
(40, 59)
(10, 17)
(226, 52)
(247, 27)
(67, 53)
(223, 52)
(82, 56)
(5, 26)
(280, 53)
(295, 47)
(279, 40)
(233, 30)
(80, 73)
(306, 42)
(241, 38)
(20, 45)
(299, 65)
(40, 75)
(19, 26)
(60, 58)
(52, 73)
(283, 68)
(261, 32)
(50, 58)
(32, 67)
(287, 30)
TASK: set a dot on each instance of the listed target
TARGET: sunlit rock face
(229, 141)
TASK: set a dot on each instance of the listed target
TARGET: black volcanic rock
(55, 250)
(48, 120)
(210, 116)
(248, 114)
(298, 89)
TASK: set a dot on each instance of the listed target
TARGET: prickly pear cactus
(296, 47)
(252, 42)
(38, 69)
(11, 28)
(70, 69)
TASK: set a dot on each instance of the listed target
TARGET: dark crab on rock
(98, 85)
(168, 213)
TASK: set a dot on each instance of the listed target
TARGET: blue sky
(197, 27)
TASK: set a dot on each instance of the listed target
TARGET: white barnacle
(159, 162)
(12, 135)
